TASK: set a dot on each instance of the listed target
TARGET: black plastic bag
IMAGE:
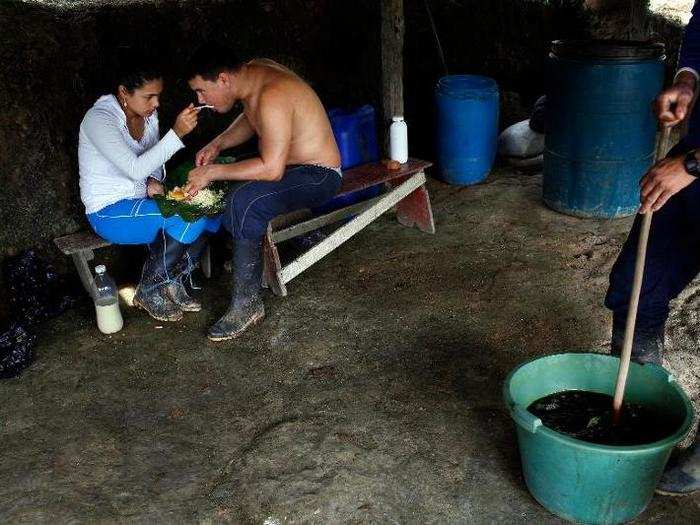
(15, 351)
(36, 291)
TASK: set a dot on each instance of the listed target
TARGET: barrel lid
(608, 49)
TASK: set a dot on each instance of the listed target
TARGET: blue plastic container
(355, 132)
(600, 127)
(467, 127)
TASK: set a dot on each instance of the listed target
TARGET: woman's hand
(665, 178)
(198, 179)
(207, 154)
(154, 187)
(186, 121)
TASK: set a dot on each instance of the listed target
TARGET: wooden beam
(324, 220)
(392, 60)
(342, 234)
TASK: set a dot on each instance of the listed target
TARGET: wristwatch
(691, 164)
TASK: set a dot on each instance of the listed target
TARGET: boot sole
(253, 321)
(197, 309)
(138, 304)
(676, 494)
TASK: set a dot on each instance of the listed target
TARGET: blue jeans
(138, 221)
(251, 205)
(672, 260)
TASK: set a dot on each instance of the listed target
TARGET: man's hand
(207, 154)
(199, 178)
(154, 187)
(665, 178)
(673, 104)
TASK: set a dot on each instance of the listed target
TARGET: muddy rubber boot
(648, 344)
(176, 289)
(151, 293)
(246, 307)
(684, 477)
(178, 293)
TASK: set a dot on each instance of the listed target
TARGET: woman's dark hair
(135, 68)
(209, 60)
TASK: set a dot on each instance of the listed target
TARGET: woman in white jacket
(121, 158)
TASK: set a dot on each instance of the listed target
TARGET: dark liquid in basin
(588, 416)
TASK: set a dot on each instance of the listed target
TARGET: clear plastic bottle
(104, 293)
(398, 140)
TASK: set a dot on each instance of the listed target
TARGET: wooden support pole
(392, 60)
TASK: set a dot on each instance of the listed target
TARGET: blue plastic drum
(467, 127)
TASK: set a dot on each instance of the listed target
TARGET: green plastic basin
(585, 482)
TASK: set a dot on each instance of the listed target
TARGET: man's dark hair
(135, 68)
(210, 60)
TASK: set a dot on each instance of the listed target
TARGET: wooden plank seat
(81, 247)
(405, 190)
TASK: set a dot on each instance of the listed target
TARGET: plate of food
(208, 201)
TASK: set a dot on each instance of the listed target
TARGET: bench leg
(272, 266)
(205, 261)
(80, 259)
(415, 209)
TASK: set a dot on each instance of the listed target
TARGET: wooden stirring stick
(661, 150)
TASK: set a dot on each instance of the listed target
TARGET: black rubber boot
(176, 289)
(246, 307)
(648, 344)
(684, 476)
(158, 271)
(178, 293)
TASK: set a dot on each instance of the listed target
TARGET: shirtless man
(297, 166)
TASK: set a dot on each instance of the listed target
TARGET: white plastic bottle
(109, 317)
(398, 140)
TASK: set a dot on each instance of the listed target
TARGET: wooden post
(392, 61)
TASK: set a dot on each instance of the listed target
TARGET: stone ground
(372, 394)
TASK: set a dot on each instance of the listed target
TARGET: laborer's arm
(236, 134)
(669, 176)
(275, 131)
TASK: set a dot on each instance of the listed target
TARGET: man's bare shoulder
(274, 100)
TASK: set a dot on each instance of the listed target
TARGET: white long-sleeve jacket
(114, 166)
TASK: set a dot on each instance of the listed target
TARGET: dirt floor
(371, 394)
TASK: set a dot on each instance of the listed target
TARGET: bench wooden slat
(367, 175)
(345, 232)
(77, 242)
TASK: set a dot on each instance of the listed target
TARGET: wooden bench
(81, 247)
(405, 189)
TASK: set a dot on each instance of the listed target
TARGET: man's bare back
(312, 140)
(282, 110)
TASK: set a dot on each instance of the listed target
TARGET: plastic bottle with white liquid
(109, 317)
(398, 140)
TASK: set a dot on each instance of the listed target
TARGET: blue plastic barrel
(600, 129)
(467, 127)
(355, 132)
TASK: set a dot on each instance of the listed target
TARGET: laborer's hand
(198, 179)
(673, 104)
(154, 187)
(186, 121)
(207, 154)
(665, 178)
